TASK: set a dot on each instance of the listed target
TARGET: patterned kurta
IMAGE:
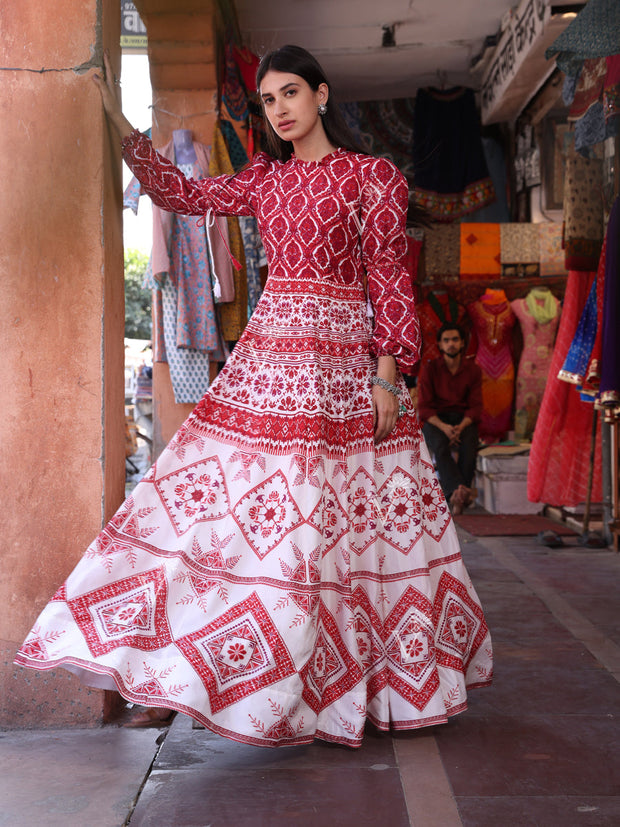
(276, 574)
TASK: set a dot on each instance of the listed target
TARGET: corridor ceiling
(435, 40)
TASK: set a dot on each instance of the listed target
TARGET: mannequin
(184, 151)
(538, 315)
(493, 320)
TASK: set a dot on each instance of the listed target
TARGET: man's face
(450, 343)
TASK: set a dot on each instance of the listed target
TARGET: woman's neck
(314, 146)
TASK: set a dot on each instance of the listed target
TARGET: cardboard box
(505, 494)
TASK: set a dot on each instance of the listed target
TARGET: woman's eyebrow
(282, 89)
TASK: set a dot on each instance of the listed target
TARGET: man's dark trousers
(452, 474)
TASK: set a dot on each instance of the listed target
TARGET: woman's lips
(284, 125)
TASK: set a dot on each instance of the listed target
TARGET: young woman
(288, 568)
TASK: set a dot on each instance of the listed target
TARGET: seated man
(449, 407)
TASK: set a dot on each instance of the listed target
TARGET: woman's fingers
(386, 410)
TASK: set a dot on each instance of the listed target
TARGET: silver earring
(322, 108)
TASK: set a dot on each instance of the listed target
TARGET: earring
(322, 108)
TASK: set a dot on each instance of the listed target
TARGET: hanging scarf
(545, 312)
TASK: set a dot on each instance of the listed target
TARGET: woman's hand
(386, 405)
(386, 410)
(109, 89)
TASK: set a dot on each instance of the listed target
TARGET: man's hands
(453, 432)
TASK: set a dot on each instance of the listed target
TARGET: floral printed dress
(276, 575)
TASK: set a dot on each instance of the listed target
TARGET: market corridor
(540, 747)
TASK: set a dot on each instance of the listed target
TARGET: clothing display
(252, 245)
(450, 171)
(595, 32)
(187, 260)
(276, 575)
(519, 243)
(493, 321)
(609, 387)
(442, 252)
(480, 251)
(539, 315)
(385, 128)
(583, 212)
(551, 254)
(560, 453)
(233, 316)
(576, 362)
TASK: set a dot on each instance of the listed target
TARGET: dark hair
(451, 326)
(298, 61)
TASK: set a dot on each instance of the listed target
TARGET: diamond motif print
(460, 624)
(238, 654)
(330, 518)
(400, 511)
(267, 513)
(330, 671)
(411, 650)
(194, 493)
(362, 509)
(128, 612)
(369, 638)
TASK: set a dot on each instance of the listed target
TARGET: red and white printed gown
(276, 575)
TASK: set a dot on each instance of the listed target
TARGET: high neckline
(324, 160)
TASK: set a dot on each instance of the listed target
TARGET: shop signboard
(524, 30)
(133, 30)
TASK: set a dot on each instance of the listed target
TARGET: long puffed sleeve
(384, 244)
(172, 191)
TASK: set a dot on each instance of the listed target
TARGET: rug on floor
(498, 525)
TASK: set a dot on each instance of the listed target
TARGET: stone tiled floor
(540, 747)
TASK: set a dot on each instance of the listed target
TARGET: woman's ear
(323, 93)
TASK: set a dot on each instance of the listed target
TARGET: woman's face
(291, 106)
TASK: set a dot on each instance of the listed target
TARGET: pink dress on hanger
(276, 575)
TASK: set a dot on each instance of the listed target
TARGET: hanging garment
(480, 251)
(252, 245)
(187, 260)
(609, 388)
(276, 574)
(233, 316)
(450, 171)
(519, 243)
(234, 96)
(577, 359)
(551, 254)
(583, 212)
(442, 252)
(493, 321)
(559, 457)
(595, 32)
(539, 316)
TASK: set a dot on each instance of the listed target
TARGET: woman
(288, 567)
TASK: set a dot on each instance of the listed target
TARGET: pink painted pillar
(61, 276)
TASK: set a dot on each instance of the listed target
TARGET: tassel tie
(208, 220)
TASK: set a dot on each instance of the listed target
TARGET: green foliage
(137, 299)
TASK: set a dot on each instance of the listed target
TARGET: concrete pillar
(61, 372)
